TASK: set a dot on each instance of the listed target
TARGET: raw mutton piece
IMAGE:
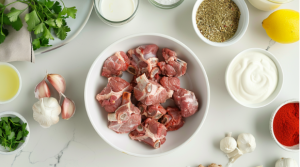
(110, 96)
(173, 119)
(142, 59)
(115, 64)
(149, 92)
(186, 101)
(172, 67)
(150, 132)
(170, 83)
(126, 118)
(154, 111)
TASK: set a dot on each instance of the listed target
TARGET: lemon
(283, 26)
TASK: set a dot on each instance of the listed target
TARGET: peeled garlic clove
(67, 108)
(246, 143)
(58, 82)
(42, 90)
(228, 144)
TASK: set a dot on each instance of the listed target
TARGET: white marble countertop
(75, 143)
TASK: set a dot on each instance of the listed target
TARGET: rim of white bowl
(20, 84)
(13, 113)
(207, 87)
(279, 83)
(271, 126)
(243, 10)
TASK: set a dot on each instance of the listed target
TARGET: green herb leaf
(61, 33)
(51, 22)
(15, 119)
(49, 4)
(1, 5)
(3, 35)
(32, 20)
(39, 28)
(17, 25)
(0, 132)
(47, 34)
(72, 12)
(7, 129)
(56, 7)
(14, 14)
(36, 44)
(4, 119)
(20, 135)
(63, 12)
(6, 20)
(59, 22)
(11, 136)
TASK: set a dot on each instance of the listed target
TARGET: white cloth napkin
(17, 45)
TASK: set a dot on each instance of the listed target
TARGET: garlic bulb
(46, 111)
(228, 144)
(246, 142)
(286, 162)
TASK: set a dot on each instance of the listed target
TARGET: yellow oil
(9, 82)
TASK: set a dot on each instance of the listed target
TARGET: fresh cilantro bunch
(12, 132)
(44, 17)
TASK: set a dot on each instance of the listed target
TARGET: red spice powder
(286, 124)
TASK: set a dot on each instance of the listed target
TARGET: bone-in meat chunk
(186, 101)
(173, 66)
(149, 92)
(170, 83)
(126, 118)
(142, 59)
(153, 111)
(110, 96)
(150, 132)
(173, 119)
(115, 64)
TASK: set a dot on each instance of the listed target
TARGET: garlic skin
(67, 108)
(246, 143)
(46, 111)
(286, 162)
(228, 144)
(58, 82)
(42, 90)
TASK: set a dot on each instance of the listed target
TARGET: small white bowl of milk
(254, 78)
(116, 13)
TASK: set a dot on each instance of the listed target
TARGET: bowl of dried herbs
(14, 132)
(220, 22)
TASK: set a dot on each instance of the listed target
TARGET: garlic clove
(58, 82)
(67, 108)
(42, 90)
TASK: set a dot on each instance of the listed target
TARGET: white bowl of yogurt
(254, 78)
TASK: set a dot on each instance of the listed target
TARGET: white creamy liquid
(117, 10)
(253, 77)
(264, 5)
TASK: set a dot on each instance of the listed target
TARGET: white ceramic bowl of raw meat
(195, 80)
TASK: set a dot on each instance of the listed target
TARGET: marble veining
(55, 160)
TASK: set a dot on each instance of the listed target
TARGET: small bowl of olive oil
(10, 83)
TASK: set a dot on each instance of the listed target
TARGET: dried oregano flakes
(218, 20)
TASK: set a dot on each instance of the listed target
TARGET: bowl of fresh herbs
(14, 132)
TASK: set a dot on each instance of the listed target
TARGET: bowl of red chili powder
(284, 125)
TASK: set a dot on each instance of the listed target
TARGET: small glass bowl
(174, 5)
(115, 23)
